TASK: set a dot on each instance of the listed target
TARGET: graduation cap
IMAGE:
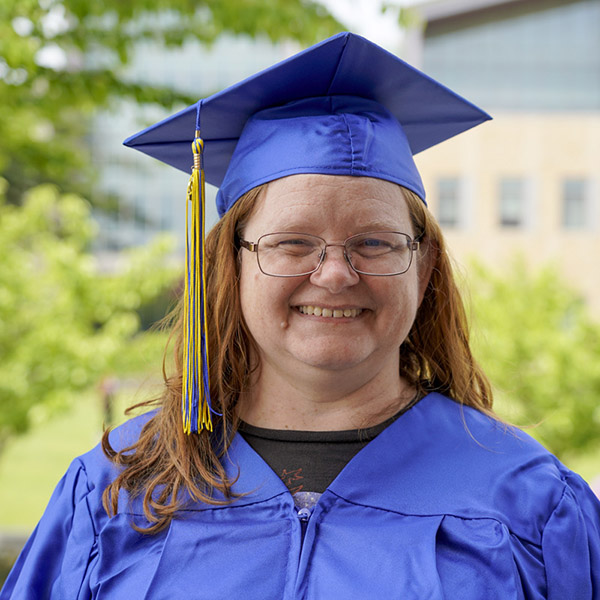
(342, 107)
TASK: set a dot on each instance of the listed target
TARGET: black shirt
(310, 460)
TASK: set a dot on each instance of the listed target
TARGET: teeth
(337, 313)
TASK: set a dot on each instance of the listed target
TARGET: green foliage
(62, 60)
(406, 16)
(540, 348)
(62, 324)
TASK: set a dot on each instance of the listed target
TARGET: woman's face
(334, 208)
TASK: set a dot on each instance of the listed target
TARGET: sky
(366, 18)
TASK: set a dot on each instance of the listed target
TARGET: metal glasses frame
(413, 246)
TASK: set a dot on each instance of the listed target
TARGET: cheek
(250, 296)
(262, 298)
(401, 303)
(247, 291)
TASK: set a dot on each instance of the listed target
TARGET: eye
(372, 246)
(374, 243)
(295, 242)
(291, 244)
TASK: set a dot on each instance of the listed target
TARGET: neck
(324, 400)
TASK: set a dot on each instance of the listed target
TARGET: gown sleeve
(571, 544)
(55, 560)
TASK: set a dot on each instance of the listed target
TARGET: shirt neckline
(342, 436)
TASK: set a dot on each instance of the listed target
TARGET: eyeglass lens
(376, 253)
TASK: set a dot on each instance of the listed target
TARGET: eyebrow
(380, 226)
(362, 228)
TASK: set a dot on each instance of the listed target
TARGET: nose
(335, 273)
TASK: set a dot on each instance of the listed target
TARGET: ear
(426, 262)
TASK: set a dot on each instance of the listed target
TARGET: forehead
(321, 202)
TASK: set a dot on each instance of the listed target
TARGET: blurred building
(529, 181)
(148, 197)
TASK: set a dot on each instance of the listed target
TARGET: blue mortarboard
(342, 107)
(292, 118)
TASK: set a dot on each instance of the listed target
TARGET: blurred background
(91, 233)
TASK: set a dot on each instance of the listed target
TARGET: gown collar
(373, 464)
(440, 457)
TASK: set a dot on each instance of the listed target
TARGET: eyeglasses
(290, 254)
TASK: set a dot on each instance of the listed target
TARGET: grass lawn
(588, 466)
(32, 464)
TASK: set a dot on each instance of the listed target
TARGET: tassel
(195, 392)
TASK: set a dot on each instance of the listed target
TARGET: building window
(140, 218)
(449, 211)
(513, 208)
(574, 204)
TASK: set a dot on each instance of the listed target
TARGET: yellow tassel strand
(195, 385)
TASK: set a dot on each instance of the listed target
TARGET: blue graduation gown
(445, 503)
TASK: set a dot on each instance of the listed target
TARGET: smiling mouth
(334, 313)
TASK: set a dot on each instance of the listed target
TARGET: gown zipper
(303, 517)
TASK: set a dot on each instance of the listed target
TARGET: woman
(354, 452)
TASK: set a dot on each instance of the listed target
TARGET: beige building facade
(553, 216)
(527, 182)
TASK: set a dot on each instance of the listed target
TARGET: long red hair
(436, 356)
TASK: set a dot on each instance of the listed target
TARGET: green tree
(61, 60)
(540, 348)
(62, 324)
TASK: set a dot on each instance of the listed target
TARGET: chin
(333, 361)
